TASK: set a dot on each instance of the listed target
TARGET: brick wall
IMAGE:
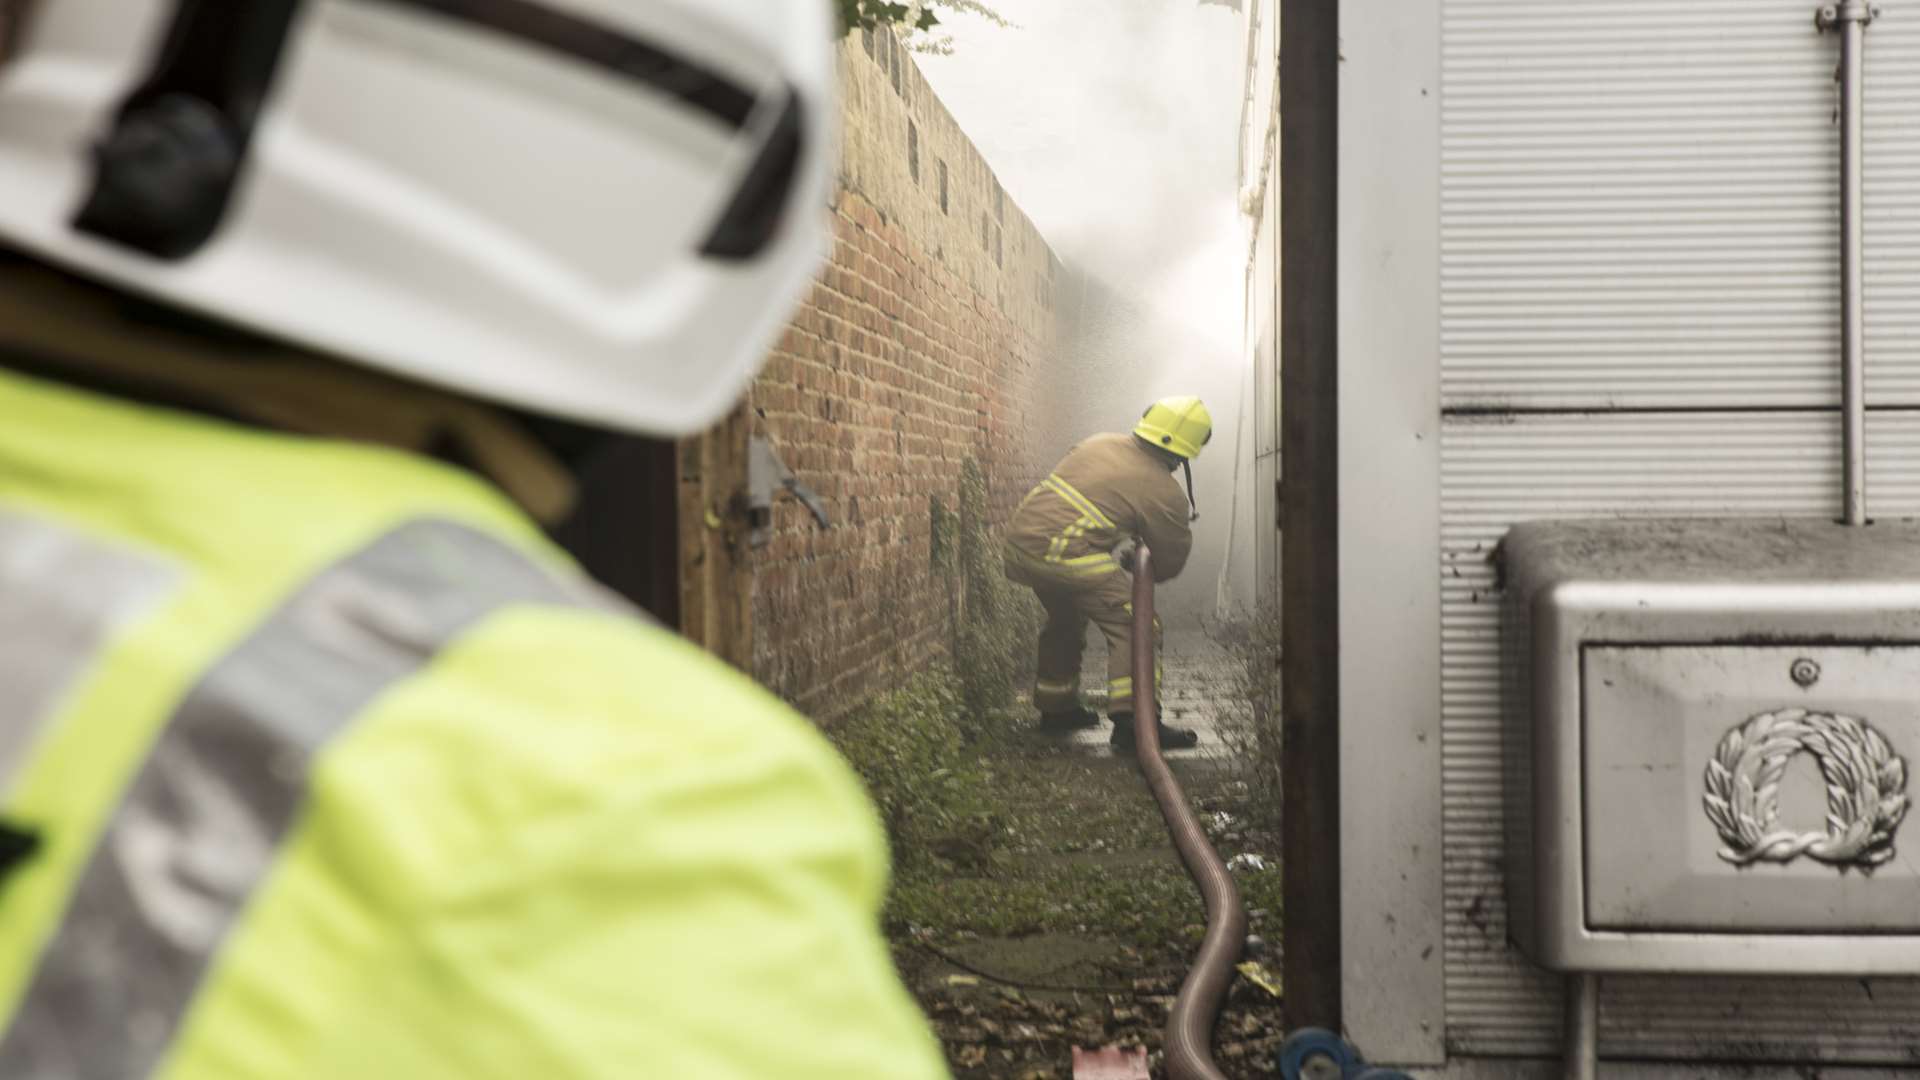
(916, 348)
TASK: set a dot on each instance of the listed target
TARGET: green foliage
(931, 790)
(918, 747)
(1078, 846)
(942, 540)
(998, 623)
(872, 14)
(1250, 719)
(915, 20)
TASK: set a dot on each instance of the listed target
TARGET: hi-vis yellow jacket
(337, 770)
(1106, 490)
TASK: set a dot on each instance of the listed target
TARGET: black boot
(1171, 738)
(1068, 721)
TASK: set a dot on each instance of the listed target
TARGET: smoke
(1115, 125)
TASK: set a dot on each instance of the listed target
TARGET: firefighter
(1071, 539)
(317, 759)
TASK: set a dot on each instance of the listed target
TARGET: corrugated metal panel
(1500, 471)
(1639, 204)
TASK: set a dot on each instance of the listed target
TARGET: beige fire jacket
(1107, 489)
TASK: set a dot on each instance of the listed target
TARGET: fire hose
(1189, 1035)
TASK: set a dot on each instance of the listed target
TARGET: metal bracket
(766, 476)
(1832, 16)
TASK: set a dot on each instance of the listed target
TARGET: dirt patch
(1074, 924)
(1037, 903)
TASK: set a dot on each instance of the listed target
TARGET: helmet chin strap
(1193, 507)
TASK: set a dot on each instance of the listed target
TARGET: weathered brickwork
(915, 350)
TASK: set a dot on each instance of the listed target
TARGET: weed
(1249, 720)
(995, 624)
(932, 791)
(918, 748)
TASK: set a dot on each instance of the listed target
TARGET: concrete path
(1199, 673)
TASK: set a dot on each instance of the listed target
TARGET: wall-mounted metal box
(1709, 731)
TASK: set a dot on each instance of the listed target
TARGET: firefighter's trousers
(1072, 598)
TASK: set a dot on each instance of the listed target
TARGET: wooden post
(1309, 503)
(716, 575)
(624, 528)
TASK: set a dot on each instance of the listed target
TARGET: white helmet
(597, 209)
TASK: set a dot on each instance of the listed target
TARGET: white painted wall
(1591, 245)
(1392, 954)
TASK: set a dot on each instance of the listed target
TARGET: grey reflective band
(200, 824)
(62, 595)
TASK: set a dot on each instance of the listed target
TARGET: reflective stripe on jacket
(339, 770)
(1107, 489)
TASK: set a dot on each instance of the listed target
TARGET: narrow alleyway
(1075, 928)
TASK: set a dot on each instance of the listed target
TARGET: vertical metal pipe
(1851, 20)
(1853, 333)
(1583, 1026)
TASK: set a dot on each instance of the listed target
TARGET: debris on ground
(1110, 1063)
(1037, 903)
(1256, 973)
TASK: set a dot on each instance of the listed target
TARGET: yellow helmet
(1181, 425)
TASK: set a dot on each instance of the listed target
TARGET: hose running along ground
(1189, 1039)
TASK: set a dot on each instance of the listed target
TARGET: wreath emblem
(1866, 790)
